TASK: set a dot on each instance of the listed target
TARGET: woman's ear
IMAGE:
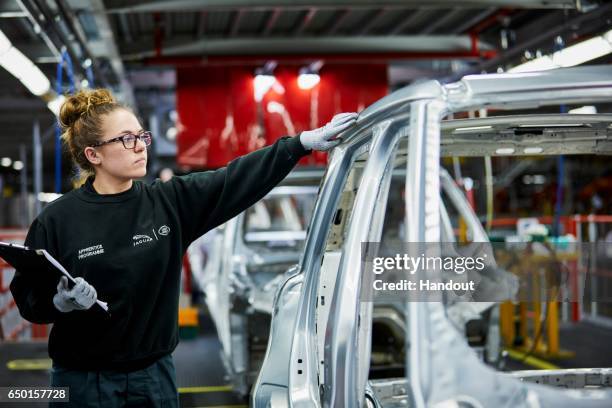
(92, 155)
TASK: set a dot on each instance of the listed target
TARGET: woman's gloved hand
(81, 297)
(324, 138)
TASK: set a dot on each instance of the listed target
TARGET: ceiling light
(18, 165)
(48, 197)
(583, 110)
(504, 150)
(171, 133)
(264, 80)
(472, 128)
(533, 150)
(570, 56)
(22, 68)
(6, 162)
(309, 76)
(262, 84)
(55, 104)
(308, 81)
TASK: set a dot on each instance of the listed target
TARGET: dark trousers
(153, 386)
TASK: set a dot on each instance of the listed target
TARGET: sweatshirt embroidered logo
(141, 239)
(90, 251)
(164, 230)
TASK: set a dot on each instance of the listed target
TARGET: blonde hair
(80, 120)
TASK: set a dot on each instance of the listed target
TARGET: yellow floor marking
(213, 388)
(45, 364)
(29, 364)
(532, 361)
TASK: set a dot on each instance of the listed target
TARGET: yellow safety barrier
(522, 325)
(188, 316)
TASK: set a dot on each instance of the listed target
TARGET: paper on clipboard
(59, 266)
(19, 255)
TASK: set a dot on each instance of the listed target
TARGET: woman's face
(114, 159)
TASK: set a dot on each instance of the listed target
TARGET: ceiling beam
(431, 28)
(415, 16)
(122, 6)
(371, 21)
(125, 28)
(168, 26)
(186, 46)
(271, 22)
(126, 93)
(536, 40)
(338, 19)
(201, 27)
(235, 24)
(306, 20)
(471, 22)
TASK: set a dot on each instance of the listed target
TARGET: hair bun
(81, 103)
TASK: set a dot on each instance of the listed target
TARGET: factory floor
(589, 342)
(199, 370)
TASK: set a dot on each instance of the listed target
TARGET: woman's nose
(140, 145)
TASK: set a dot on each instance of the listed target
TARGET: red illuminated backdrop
(218, 115)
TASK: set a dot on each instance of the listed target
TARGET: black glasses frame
(146, 136)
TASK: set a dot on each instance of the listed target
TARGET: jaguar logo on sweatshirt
(144, 238)
(141, 239)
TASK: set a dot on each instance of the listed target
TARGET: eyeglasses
(129, 140)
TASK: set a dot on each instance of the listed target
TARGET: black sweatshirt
(129, 246)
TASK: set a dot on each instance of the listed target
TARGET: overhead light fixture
(472, 129)
(534, 179)
(262, 84)
(264, 80)
(48, 197)
(571, 56)
(22, 68)
(55, 104)
(309, 76)
(173, 115)
(533, 150)
(308, 80)
(171, 133)
(18, 165)
(6, 162)
(583, 110)
(504, 150)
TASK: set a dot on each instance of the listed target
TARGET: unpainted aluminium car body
(321, 358)
(245, 265)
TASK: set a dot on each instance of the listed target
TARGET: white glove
(324, 138)
(81, 297)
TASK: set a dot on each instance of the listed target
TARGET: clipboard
(23, 258)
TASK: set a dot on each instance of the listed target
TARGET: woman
(125, 240)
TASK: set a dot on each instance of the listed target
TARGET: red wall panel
(218, 115)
